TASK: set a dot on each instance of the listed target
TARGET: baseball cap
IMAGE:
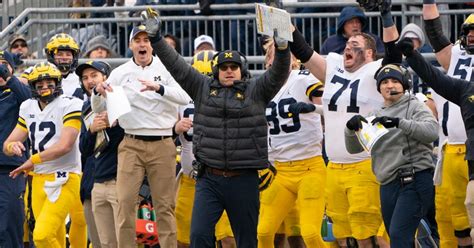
(14, 38)
(203, 39)
(101, 66)
(136, 30)
(228, 56)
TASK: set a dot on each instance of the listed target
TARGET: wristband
(36, 159)
(428, 1)
(387, 20)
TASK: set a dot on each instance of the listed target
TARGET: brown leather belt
(223, 173)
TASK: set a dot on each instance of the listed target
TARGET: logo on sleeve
(471, 98)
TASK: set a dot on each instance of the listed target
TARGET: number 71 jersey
(44, 130)
(347, 94)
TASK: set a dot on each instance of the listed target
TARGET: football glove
(355, 123)
(266, 177)
(370, 5)
(4, 72)
(152, 23)
(386, 121)
(280, 43)
(301, 107)
(405, 45)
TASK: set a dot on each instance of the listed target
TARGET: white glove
(280, 43)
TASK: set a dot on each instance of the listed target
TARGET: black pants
(12, 211)
(238, 195)
(404, 206)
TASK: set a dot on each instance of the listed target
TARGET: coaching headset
(230, 56)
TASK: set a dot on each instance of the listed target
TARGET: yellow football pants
(50, 216)
(353, 200)
(297, 182)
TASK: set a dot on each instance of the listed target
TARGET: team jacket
(458, 91)
(11, 96)
(230, 129)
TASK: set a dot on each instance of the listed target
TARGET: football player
(458, 60)
(352, 193)
(52, 123)
(294, 144)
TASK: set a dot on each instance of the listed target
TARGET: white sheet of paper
(370, 134)
(117, 104)
(270, 18)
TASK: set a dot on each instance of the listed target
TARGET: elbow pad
(300, 48)
(434, 31)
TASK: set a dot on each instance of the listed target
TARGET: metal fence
(10, 9)
(234, 30)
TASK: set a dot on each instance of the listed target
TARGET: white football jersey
(186, 140)
(461, 66)
(293, 137)
(347, 94)
(44, 130)
(72, 86)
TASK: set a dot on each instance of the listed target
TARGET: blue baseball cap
(136, 30)
(101, 66)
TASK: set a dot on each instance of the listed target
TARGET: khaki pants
(91, 226)
(157, 159)
(105, 208)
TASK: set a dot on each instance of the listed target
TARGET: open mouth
(142, 52)
(349, 56)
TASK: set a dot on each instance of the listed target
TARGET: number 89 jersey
(347, 94)
(44, 129)
(186, 140)
(293, 137)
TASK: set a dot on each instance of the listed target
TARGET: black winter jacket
(230, 129)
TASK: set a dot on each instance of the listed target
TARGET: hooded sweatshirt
(336, 43)
(409, 145)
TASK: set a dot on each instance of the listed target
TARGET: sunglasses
(233, 67)
(19, 44)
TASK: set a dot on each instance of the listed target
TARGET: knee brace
(463, 233)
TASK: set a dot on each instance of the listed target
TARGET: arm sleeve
(174, 93)
(352, 142)
(273, 79)
(21, 90)
(447, 87)
(184, 74)
(422, 126)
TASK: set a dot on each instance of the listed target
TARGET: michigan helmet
(465, 28)
(62, 41)
(44, 71)
(202, 62)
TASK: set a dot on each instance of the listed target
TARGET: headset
(407, 82)
(243, 68)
